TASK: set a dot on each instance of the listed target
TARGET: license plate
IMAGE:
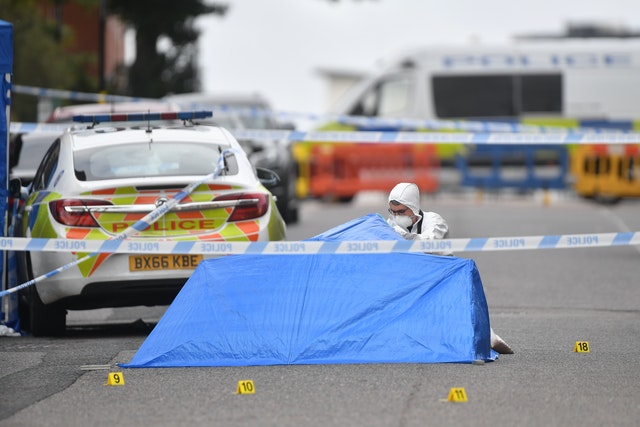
(163, 262)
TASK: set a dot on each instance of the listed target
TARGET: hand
(401, 231)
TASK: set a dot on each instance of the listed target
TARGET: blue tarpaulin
(246, 310)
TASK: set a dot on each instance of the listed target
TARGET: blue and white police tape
(74, 96)
(480, 138)
(385, 137)
(361, 121)
(473, 125)
(138, 226)
(20, 127)
(408, 124)
(305, 247)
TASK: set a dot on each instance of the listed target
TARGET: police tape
(315, 247)
(479, 138)
(359, 121)
(73, 95)
(475, 125)
(385, 137)
(21, 127)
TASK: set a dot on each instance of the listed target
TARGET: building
(93, 33)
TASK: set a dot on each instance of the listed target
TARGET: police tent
(6, 69)
(325, 308)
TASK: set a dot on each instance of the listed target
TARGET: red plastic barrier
(342, 170)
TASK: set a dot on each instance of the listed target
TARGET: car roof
(124, 135)
(187, 100)
(66, 113)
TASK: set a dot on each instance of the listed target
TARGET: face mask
(403, 221)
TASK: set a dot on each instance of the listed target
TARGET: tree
(154, 74)
(39, 57)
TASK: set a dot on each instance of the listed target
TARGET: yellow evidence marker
(582, 347)
(246, 387)
(115, 378)
(457, 394)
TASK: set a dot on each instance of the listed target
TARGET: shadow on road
(108, 330)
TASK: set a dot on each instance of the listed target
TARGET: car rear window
(149, 160)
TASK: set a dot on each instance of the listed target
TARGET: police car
(98, 181)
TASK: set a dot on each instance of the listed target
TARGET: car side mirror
(267, 177)
(16, 190)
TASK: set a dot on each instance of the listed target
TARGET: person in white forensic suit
(412, 223)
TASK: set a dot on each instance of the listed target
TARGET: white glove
(404, 233)
(401, 231)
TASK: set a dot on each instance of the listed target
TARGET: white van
(593, 79)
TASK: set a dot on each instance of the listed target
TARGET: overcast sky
(276, 47)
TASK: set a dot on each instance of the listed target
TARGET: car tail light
(75, 212)
(251, 205)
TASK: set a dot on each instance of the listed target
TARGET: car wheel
(290, 204)
(289, 214)
(292, 215)
(38, 318)
(45, 319)
(345, 199)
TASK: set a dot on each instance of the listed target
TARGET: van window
(389, 98)
(503, 95)
(541, 93)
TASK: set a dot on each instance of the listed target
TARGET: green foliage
(174, 70)
(39, 58)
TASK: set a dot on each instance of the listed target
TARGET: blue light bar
(142, 117)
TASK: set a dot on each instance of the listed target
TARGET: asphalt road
(540, 301)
